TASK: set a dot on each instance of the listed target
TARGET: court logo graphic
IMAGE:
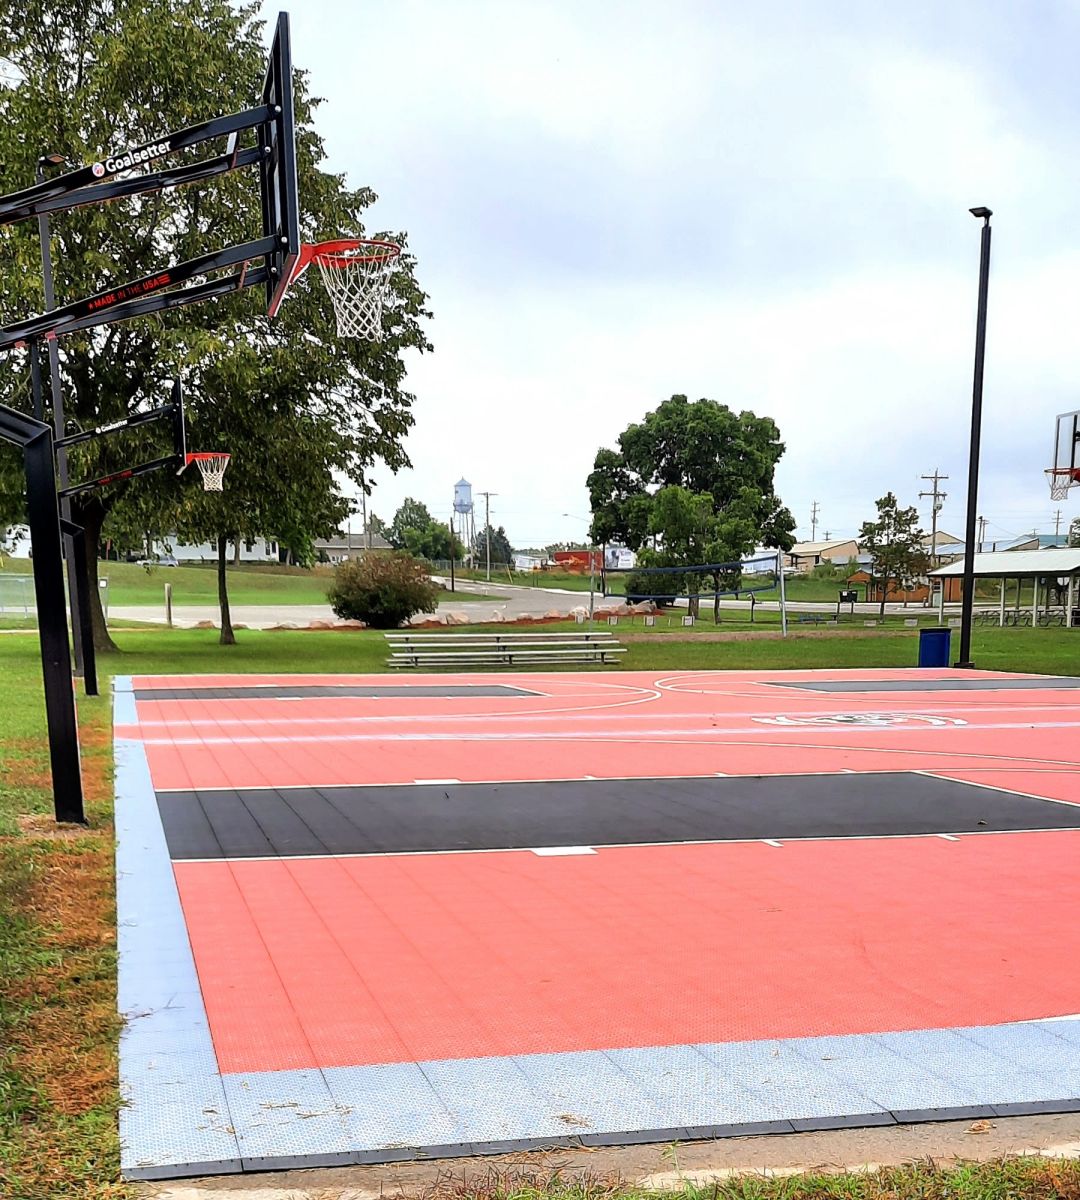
(98, 170)
(880, 720)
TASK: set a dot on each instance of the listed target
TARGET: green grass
(132, 584)
(249, 583)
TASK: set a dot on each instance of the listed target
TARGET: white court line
(949, 837)
(589, 713)
(600, 846)
(422, 781)
(560, 851)
(709, 733)
(774, 842)
(993, 787)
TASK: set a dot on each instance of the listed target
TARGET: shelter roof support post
(1035, 602)
(1001, 613)
(1071, 602)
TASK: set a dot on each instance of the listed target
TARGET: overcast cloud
(761, 203)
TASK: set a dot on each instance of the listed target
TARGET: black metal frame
(275, 156)
(173, 411)
(36, 440)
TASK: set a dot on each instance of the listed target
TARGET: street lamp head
(52, 160)
(983, 213)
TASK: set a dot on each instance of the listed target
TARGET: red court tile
(332, 962)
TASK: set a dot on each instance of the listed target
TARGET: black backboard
(280, 202)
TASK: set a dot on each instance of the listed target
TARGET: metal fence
(17, 596)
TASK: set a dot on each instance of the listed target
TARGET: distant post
(968, 598)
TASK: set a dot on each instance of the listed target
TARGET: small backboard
(280, 195)
(1064, 473)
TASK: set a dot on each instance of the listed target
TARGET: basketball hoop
(357, 274)
(1061, 479)
(212, 467)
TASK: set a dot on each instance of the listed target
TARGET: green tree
(895, 541)
(377, 526)
(412, 514)
(688, 530)
(97, 76)
(501, 550)
(704, 448)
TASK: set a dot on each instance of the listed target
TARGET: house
(260, 550)
(919, 593)
(1036, 541)
(805, 556)
(346, 544)
(942, 546)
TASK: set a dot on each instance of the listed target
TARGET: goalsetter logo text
(129, 159)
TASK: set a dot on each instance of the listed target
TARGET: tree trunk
(91, 516)
(884, 595)
(228, 638)
(716, 601)
(236, 553)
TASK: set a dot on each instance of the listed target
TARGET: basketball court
(365, 918)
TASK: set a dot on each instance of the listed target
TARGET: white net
(212, 468)
(357, 279)
(1061, 479)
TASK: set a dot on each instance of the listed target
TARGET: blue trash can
(934, 647)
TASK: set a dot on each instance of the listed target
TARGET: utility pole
(813, 521)
(938, 500)
(982, 533)
(1057, 523)
(363, 510)
(487, 527)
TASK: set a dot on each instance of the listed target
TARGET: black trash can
(934, 647)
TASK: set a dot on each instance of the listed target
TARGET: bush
(660, 588)
(383, 589)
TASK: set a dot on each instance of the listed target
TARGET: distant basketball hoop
(212, 467)
(1061, 479)
(356, 273)
(1065, 472)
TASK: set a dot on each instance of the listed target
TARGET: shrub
(383, 589)
(660, 588)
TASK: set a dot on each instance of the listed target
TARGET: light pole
(58, 160)
(968, 597)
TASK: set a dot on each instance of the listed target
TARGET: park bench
(814, 619)
(412, 650)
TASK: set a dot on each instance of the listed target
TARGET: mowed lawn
(58, 1026)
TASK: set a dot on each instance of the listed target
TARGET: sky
(765, 204)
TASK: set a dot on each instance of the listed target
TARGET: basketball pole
(75, 600)
(968, 597)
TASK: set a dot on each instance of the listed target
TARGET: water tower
(464, 523)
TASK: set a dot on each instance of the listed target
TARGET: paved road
(510, 602)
